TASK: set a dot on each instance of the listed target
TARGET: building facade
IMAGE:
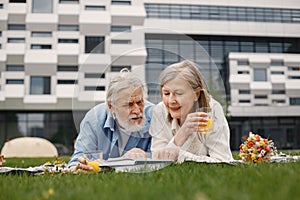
(57, 56)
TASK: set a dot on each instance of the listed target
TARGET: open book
(122, 162)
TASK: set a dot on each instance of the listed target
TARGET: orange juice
(208, 127)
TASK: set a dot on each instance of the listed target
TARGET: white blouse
(200, 147)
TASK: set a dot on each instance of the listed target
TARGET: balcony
(41, 22)
(68, 13)
(128, 54)
(3, 20)
(14, 91)
(122, 15)
(68, 49)
(41, 62)
(40, 99)
(95, 22)
(15, 48)
(90, 62)
(16, 12)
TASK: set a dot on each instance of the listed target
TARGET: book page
(115, 162)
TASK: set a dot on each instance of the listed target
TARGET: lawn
(178, 181)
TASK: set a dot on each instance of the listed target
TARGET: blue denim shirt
(98, 129)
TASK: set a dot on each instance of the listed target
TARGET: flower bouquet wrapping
(256, 149)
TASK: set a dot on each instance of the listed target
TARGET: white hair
(121, 82)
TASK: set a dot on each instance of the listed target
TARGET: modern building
(57, 56)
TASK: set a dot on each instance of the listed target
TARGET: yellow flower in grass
(51, 191)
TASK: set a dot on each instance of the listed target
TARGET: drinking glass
(208, 128)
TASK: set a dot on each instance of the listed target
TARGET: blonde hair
(188, 71)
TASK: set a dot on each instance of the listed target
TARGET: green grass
(185, 181)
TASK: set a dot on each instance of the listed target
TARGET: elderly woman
(175, 124)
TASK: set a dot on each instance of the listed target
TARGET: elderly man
(119, 127)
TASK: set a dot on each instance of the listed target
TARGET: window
(260, 104)
(278, 91)
(260, 75)
(260, 96)
(295, 101)
(122, 3)
(277, 63)
(293, 77)
(67, 40)
(202, 12)
(67, 68)
(290, 68)
(247, 46)
(94, 7)
(243, 62)
(66, 82)
(68, 27)
(244, 101)
(277, 72)
(41, 46)
(94, 44)
(118, 68)
(41, 34)
(40, 85)
(17, 1)
(243, 72)
(42, 6)
(15, 81)
(120, 28)
(94, 88)
(14, 68)
(244, 91)
(275, 47)
(278, 101)
(15, 40)
(290, 135)
(16, 27)
(69, 1)
(89, 75)
(121, 41)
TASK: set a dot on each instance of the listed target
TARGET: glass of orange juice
(208, 128)
(94, 158)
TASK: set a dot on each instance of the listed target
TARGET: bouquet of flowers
(256, 149)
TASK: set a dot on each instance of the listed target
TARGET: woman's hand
(169, 153)
(190, 125)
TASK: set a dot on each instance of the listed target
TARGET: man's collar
(109, 122)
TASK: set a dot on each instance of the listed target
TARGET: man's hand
(166, 154)
(82, 166)
(135, 153)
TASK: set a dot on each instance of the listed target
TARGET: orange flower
(250, 144)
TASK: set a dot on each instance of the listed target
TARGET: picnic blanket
(61, 167)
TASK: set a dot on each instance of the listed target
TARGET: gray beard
(127, 127)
